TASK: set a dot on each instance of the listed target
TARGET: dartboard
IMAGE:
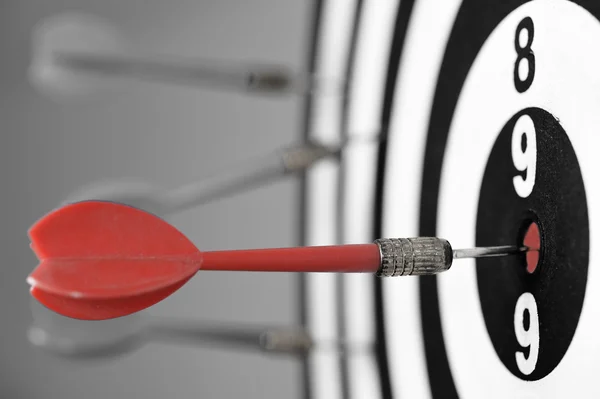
(476, 122)
(473, 121)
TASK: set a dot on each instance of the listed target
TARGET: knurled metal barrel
(272, 80)
(289, 341)
(419, 256)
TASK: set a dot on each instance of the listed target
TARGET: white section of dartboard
(566, 84)
(321, 196)
(425, 43)
(370, 67)
(359, 165)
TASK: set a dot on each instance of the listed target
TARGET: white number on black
(528, 337)
(524, 155)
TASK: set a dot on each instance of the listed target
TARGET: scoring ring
(474, 126)
(459, 358)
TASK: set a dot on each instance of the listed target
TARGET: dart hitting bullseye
(101, 260)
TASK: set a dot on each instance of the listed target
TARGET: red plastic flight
(101, 260)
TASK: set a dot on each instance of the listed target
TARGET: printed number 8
(524, 53)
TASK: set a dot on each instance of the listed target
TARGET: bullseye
(532, 240)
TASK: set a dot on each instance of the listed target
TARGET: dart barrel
(420, 256)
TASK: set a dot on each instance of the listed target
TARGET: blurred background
(167, 135)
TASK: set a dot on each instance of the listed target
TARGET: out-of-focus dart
(246, 175)
(101, 260)
(89, 340)
(73, 52)
(86, 340)
(69, 33)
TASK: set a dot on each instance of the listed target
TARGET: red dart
(101, 260)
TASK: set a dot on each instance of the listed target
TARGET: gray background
(167, 135)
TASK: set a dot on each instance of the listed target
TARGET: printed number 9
(527, 337)
(524, 157)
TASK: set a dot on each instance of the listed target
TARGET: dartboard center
(531, 303)
(532, 240)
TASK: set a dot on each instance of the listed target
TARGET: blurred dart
(72, 51)
(101, 260)
(68, 33)
(247, 175)
(87, 340)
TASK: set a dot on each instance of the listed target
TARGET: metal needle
(486, 252)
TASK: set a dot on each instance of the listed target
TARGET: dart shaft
(363, 258)
(226, 75)
(281, 340)
(247, 175)
(422, 256)
(233, 180)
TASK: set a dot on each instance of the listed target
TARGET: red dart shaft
(361, 258)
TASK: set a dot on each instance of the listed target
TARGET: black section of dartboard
(474, 23)
(558, 205)
(401, 26)
(341, 227)
(315, 29)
